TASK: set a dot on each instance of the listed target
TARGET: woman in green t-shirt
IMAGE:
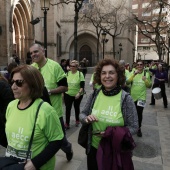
(108, 107)
(76, 82)
(140, 81)
(27, 86)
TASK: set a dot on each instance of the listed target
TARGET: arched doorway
(22, 29)
(86, 52)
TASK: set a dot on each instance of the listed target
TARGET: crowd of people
(114, 109)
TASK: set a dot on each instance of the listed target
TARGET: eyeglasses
(72, 66)
(139, 64)
(19, 83)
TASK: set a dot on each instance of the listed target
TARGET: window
(135, 6)
(145, 31)
(153, 36)
(145, 14)
(146, 5)
(146, 48)
(136, 14)
(164, 10)
(156, 11)
(145, 40)
(87, 5)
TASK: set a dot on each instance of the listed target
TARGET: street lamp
(139, 56)
(103, 40)
(144, 56)
(45, 5)
(161, 49)
(168, 46)
(35, 21)
(160, 3)
(120, 50)
(78, 4)
(133, 52)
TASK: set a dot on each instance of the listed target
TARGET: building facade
(17, 33)
(154, 15)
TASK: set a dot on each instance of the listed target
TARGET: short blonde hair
(75, 62)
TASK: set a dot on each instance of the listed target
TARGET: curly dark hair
(115, 64)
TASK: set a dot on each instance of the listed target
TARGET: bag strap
(32, 135)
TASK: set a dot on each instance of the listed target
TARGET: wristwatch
(49, 92)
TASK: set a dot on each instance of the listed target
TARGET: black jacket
(6, 96)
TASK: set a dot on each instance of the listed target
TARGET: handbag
(12, 163)
(83, 135)
(84, 132)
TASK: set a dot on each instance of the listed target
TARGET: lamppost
(144, 56)
(161, 49)
(78, 4)
(168, 46)
(45, 5)
(103, 40)
(120, 50)
(139, 56)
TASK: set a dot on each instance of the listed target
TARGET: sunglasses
(19, 83)
(139, 64)
(73, 66)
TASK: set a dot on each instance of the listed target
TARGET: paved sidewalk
(152, 151)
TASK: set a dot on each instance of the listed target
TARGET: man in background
(56, 83)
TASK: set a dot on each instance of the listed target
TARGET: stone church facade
(17, 33)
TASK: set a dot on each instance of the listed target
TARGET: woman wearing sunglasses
(27, 86)
(140, 81)
(75, 80)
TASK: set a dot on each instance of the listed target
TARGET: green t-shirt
(108, 112)
(19, 127)
(127, 73)
(154, 67)
(133, 69)
(95, 86)
(147, 69)
(138, 87)
(73, 81)
(53, 73)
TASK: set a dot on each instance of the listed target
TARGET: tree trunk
(113, 43)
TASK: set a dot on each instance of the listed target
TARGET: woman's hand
(136, 72)
(77, 95)
(29, 166)
(91, 119)
(143, 78)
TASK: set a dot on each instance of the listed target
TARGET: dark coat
(6, 96)
(115, 149)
